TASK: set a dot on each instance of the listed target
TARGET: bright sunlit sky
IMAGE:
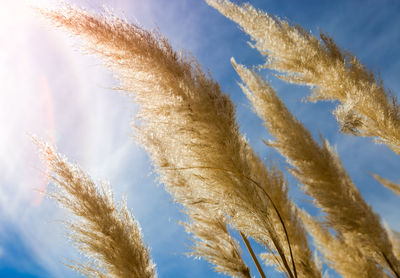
(50, 89)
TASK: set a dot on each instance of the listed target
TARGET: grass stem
(253, 256)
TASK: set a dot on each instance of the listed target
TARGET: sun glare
(25, 100)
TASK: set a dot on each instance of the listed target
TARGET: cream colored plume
(346, 260)
(214, 243)
(366, 108)
(107, 235)
(319, 169)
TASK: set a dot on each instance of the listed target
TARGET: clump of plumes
(395, 188)
(188, 127)
(319, 169)
(302, 254)
(214, 243)
(108, 236)
(366, 108)
(348, 261)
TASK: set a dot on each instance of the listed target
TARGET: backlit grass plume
(109, 236)
(366, 109)
(214, 243)
(188, 127)
(319, 169)
(347, 260)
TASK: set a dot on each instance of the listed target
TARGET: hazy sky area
(51, 89)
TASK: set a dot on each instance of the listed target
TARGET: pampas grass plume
(109, 236)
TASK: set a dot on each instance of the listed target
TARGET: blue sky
(52, 90)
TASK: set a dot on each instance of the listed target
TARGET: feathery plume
(214, 243)
(346, 260)
(188, 127)
(319, 169)
(366, 108)
(395, 188)
(109, 236)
